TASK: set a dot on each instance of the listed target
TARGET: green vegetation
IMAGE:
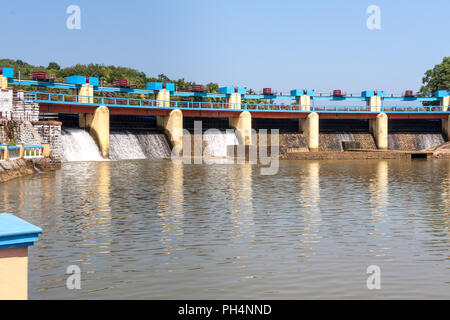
(107, 75)
(436, 79)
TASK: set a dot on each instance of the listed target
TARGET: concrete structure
(374, 103)
(234, 101)
(379, 129)
(172, 125)
(46, 149)
(86, 93)
(446, 127)
(445, 103)
(163, 98)
(374, 99)
(305, 102)
(310, 129)
(14, 107)
(170, 117)
(16, 235)
(303, 98)
(233, 96)
(243, 127)
(50, 131)
(6, 102)
(98, 125)
(3, 83)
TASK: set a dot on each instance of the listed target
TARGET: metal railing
(58, 98)
(33, 151)
(23, 151)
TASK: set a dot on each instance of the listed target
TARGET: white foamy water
(217, 143)
(414, 141)
(154, 145)
(124, 145)
(78, 145)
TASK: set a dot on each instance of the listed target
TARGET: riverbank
(12, 169)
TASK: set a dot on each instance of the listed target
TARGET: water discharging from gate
(124, 145)
(78, 145)
(414, 141)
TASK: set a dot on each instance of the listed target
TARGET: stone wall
(13, 106)
(12, 131)
(25, 110)
(6, 102)
(50, 131)
(35, 132)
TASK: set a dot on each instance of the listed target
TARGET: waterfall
(426, 141)
(126, 145)
(154, 145)
(333, 141)
(217, 143)
(414, 141)
(78, 145)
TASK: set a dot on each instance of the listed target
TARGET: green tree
(53, 66)
(437, 78)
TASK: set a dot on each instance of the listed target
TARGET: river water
(152, 229)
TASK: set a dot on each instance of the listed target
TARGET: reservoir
(153, 229)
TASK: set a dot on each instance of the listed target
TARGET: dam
(378, 123)
(133, 220)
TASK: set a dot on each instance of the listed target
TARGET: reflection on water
(309, 200)
(155, 229)
(378, 204)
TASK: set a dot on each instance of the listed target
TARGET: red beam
(417, 115)
(347, 115)
(68, 108)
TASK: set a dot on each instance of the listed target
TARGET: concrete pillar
(163, 98)
(305, 102)
(21, 150)
(173, 128)
(446, 127)
(98, 124)
(16, 235)
(82, 121)
(234, 100)
(3, 82)
(5, 151)
(243, 127)
(445, 103)
(379, 129)
(86, 94)
(310, 129)
(374, 103)
(46, 150)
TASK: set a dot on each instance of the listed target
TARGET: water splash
(414, 141)
(78, 145)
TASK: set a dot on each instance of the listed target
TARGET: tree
(53, 66)
(437, 78)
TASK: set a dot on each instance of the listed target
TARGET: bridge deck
(63, 103)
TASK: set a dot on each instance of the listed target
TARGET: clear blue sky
(318, 44)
